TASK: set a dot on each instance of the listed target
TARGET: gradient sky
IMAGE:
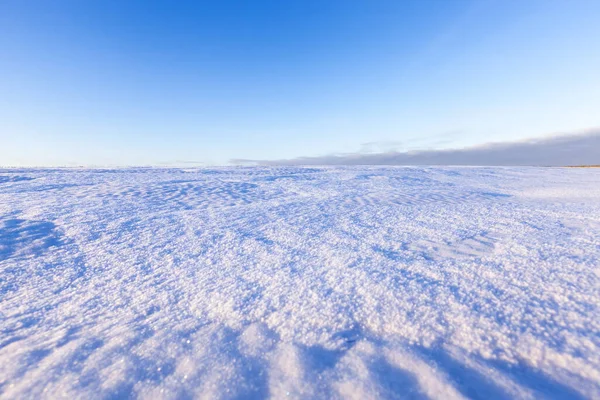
(158, 83)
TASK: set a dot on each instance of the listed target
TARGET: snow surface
(300, 283)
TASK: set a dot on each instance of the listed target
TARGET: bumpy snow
(325, 283)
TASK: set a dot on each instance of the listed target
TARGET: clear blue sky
(145, 82)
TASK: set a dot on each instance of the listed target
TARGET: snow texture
(354, 282)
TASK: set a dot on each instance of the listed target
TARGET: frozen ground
(300, 283)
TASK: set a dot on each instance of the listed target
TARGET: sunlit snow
(357, 282)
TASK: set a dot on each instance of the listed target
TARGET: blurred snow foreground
(361, 282)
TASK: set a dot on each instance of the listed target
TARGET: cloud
(574, 149)
(381, 146)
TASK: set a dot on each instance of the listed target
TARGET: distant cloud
(183, 163)
(381, 146)
(574, 149)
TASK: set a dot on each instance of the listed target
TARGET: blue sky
(161, 83)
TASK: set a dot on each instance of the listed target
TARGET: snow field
(357, 282)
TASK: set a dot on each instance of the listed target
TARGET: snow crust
(354, 282)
